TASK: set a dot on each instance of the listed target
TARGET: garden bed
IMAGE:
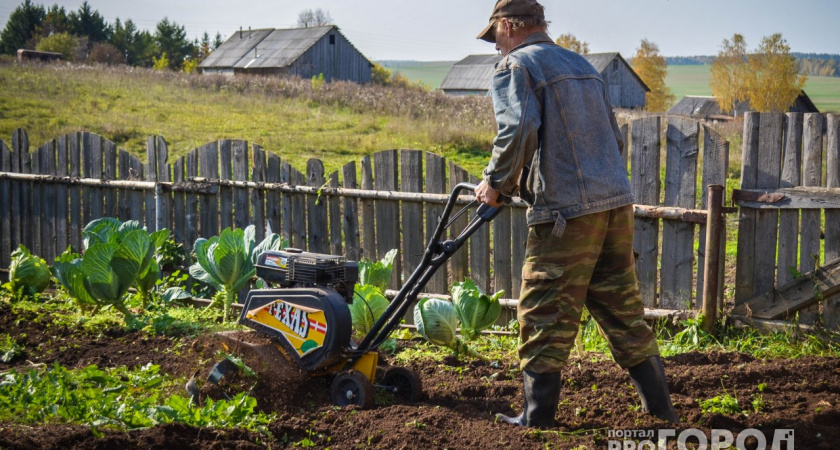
(457, 409)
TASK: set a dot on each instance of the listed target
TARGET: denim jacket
(558, 144)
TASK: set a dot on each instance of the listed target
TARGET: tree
(171, 39)
(21, 27)
(773, 83)
(105, 53)
(217, 41)
(570, 42)
(138, 47)
(768, 78)
(64, 43)
(204, 47)
(88, 22)
(729, 74)
(56, 21)
(652, 69)
(316, 18)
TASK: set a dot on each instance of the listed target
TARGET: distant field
(429, 73)
(694, 80)
(682, 80)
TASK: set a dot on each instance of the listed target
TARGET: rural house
(707, 108)
(473, 74)
(304, 52)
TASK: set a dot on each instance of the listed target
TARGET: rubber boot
(542, 395)
(649, 378)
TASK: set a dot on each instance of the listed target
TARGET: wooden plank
(411, 180)
(436, 183)
(225, 193)
(386, 171)
(336, 221)
(350, 222)
(136, 198)
(789, 219)
(519, 239)
(286, 205)
(715, 168)
(272, 198)
(50, 193)
(76, 214)
(459, 262)
(164, 218)
(802, 293)
(123, 173)
(771, 143)
(6, 207)
(191, 200)
(151, 175)
(36, 215)
(480, 254)
(677, 272)
(298, 210)
(745, 258)
(62, 240)
(625, 134)
(208, 159)
(258, 195)
(109, 172)
(97, 194)
(831, 305)
(179, 202)
(316, 208)
(810, 231)
(20, 143)
(368, 248)
(645, 184)
(241, 163)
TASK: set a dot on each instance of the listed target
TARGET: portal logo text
(698, 439)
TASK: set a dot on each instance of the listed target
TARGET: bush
(64, 43)
(105, 53)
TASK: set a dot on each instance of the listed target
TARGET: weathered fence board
(480, 253)
(386, 166)
(226, 193)
(336, 221)
(745, 258)
(272, 198)
(34, 231)
(789, 219)
(411, 180)
(5, 207)
(680, 191)
(436, 183)
(179, 204)
(241, 165)
(258, 195)
(350, 218)
(715, 169)
(645, 185)
(208, 159)
(61, 198)
(519, 236)
(316, 210)
(76, 215)
(460, 260)
(20, 143)
(92, 167)
(809, 233)
(48, 233)
(109, 172)
(192, 201)
(831, 305)
(368, 249)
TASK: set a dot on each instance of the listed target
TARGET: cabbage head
(28, 273)
(437, 321)
(368, 306)
(476, 309)
(377, 273)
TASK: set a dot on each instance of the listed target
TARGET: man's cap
(510, 8)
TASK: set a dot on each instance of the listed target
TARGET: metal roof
(265, 48)
(601, 61)
(473, 73)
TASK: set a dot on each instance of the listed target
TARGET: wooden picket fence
(388, 200)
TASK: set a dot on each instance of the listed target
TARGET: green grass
(431, 74)
(694, 80)
(296, 119)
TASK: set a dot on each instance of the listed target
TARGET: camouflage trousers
(591, 264)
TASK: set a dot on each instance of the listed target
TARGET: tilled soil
(459, 402)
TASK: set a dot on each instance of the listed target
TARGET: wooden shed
(473, 75)
(707, 108)
(304, 52)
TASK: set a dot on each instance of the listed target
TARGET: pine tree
(21, 26)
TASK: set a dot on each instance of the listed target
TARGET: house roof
(265, 48)
(703, 106)
(475, 72)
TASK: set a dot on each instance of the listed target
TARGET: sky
(445, 30)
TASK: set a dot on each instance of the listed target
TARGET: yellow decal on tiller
(303, 328)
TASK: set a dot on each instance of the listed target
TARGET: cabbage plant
(437, 321)
(226, 262)
(476, 310)
(28, 274)
(368, 306)
(377, 273)
(115, 254)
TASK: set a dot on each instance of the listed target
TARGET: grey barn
(304, 52)
(473, 74)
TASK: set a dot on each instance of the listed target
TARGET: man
(558, 147)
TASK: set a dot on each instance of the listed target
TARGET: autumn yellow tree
(570, 42)
(729, 73)
(652, 69)
(774, 81)
(768, 78)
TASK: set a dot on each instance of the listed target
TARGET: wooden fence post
(241, 166)
(76, 214)
(459, 262)
(22, 201)
(831, 305)
(436, 183)
(480, 253)
(258, 195)
(336, 222)
(368, 249)
(744, 281)
(351, 216)
(272, 198)
(388, 211)
(789, 218)
(645, 185)
(411, 165)
(208, 160)
(5, 207)
(225, 192)
(809, 237)
(316, 209)
(715, 168)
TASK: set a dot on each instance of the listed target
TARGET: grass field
(431, 74)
